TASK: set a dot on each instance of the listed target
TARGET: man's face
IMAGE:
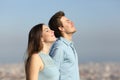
(68, 26)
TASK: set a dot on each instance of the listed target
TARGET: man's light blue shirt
(66, 59)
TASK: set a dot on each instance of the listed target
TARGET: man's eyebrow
(67, 20)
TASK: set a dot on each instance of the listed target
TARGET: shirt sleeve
(58, 56)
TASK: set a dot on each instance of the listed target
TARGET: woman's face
(48, 35)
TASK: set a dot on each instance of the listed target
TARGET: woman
(39, 65)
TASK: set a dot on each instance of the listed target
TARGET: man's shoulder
(58, 43)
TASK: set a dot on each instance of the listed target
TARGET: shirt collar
(67, 42)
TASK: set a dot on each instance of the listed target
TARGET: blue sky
(98, 27)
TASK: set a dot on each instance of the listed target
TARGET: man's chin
(74, 31)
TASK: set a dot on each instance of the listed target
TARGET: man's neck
(68, 36)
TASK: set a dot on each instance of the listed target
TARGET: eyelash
(47, 30)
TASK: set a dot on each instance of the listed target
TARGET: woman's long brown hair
(34, 45)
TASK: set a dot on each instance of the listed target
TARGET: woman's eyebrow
(46, 29)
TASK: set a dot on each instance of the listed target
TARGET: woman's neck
(46, 48)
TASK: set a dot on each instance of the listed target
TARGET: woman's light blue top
(50, 70)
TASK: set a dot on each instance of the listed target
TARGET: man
(63, 51)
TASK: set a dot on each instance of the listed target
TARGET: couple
(52, 62)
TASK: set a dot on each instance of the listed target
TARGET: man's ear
(61, 28)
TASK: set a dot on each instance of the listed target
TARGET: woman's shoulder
(35, 56)
(36, 60)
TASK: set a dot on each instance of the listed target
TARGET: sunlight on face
(48, 34)
(68, 25)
